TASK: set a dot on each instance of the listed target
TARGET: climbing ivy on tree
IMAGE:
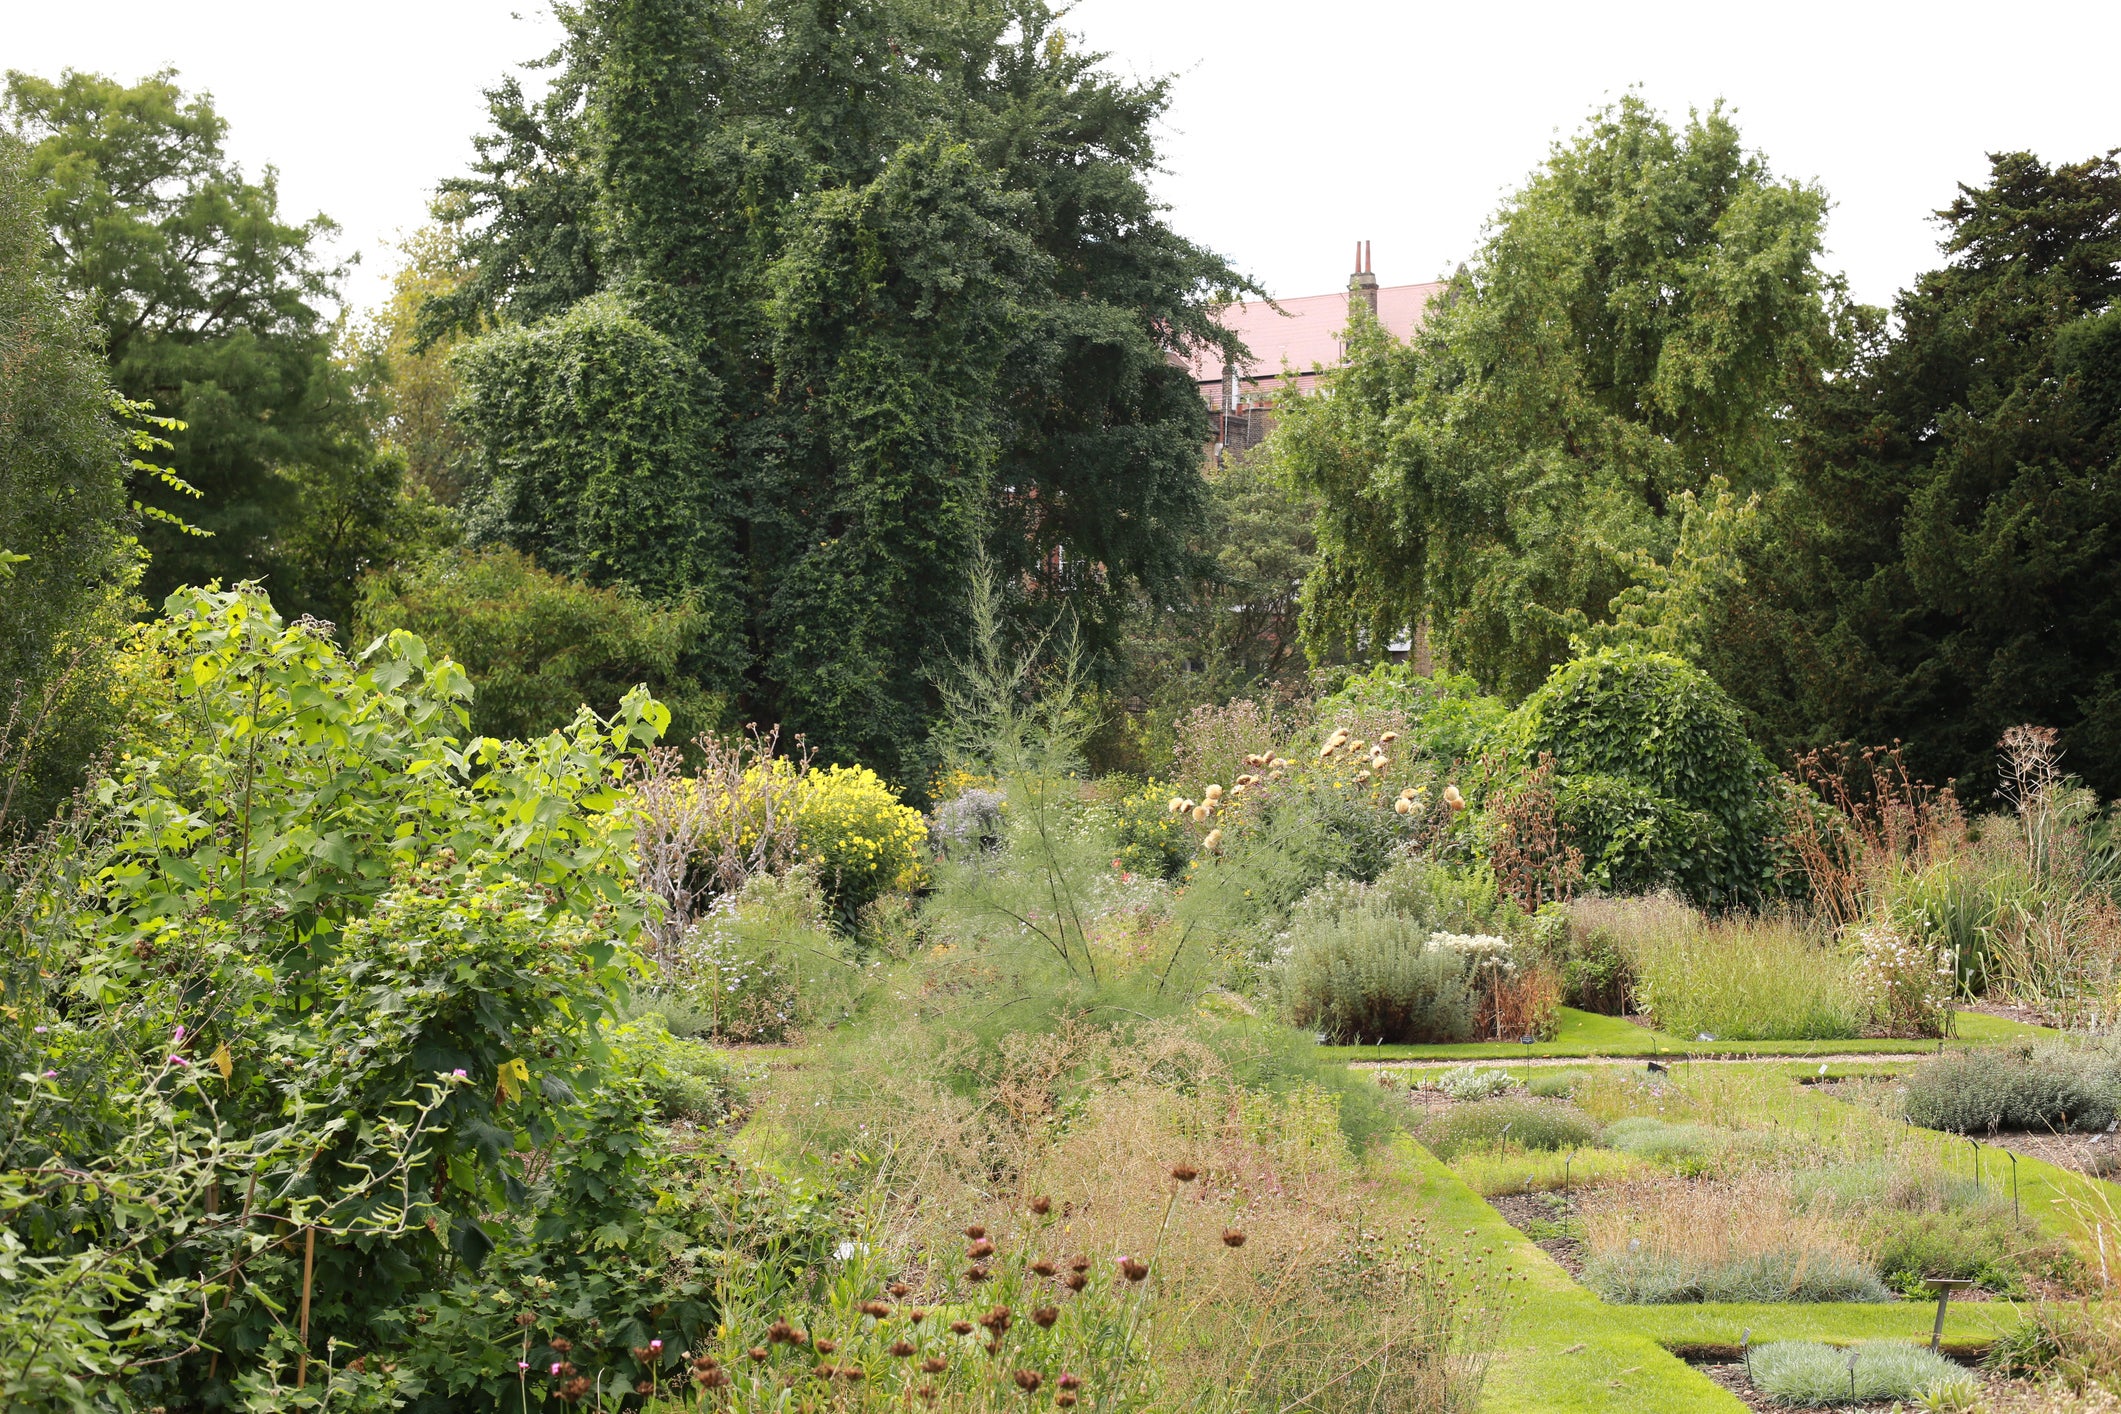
(797, 306)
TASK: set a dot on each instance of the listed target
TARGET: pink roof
(1307, 330)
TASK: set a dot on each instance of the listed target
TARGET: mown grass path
(1562, 1349)
(1585, 1035)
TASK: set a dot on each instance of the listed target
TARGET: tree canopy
(1945, 561)
(212, 310)
(797, 307)
(1632, 331)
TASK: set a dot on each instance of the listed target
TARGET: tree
(68, 560)
(896, 269)
(210, 306)
(1943, 563)
(409, 386)
(1634, 328)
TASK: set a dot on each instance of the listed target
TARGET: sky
(1294, 130)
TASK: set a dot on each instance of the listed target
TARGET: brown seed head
(1045, 1316)
(902, 1348)
(975, 1232)
(1132, 1269)
(996, 1320)
(1076, 1281)
(1064, 1400)
(927, 1393)
(916, 1315)
(780, 1333)
(1184, 1173)
(852, 1372)
(1079, 1264)
(1044, 1267)
(1070, 1381)
(826, 1347)
(526, 1320)
(1233, 1238)
(961, 1327)
(979, 1249)
(975, 1274)
(562, 1344)
(1029, 1380)
(1041, 1205)
(757, 1352)
(935, 1365)
(824, 1369)
(898, 1288)
(878, 1309)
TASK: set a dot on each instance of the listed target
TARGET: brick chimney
(1362, 284)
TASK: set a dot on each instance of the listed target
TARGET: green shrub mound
(1522, 1124)
(1366, 973)
(1656, 781)
(2057, 1086)
(1555, 1084)
(1786, 1275)
(1810, 1373)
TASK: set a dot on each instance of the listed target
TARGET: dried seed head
(1076, 1281)
(1213, 792)
(1041, 1205)
(1214, 841)
(927, 1393)
(780, 1333)
(1184, 1173)
(1045, 1316)
(1200, 814)
(1233, 1238)
(1452, 798)
(935, 1365)
(824, 1369)
(976, 1274)
(526, 1320)
(1064, 1400)
(878, 1309)
(1078, 1264)
(1133, 1269)
(961, 1327)
(757, 1352)
(996, 1320)
(1029, 1380)
(1043, 1267)
(975, 1232)
(1070, 1381)
(826, 1347)
(1388, 737)
(851, 1372)
(981, 1248)
(1403, 806)
(898, 1288)
(562, 1344)
(902, 1348)
(916, 1315)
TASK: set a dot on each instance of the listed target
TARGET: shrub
(1593, 970)
(1364, 973)
(1445, 718)
(1906, 982)
(864, 842)
(1655, 774)
(2052, 1086)
(539, 646)
(969, 821)
(1523, 1124)
(759, 965)
(1152, 840)
(1810, 1373)
(1685, 1146)
(1471, 1082)
(685, 1080)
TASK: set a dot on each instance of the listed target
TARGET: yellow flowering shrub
(864, 842)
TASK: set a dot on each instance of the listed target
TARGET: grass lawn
(1584, 1035)
(1566, 1351)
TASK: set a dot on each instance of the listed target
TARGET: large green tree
(1946, 560)
(1632, 331)
(212, 309)
(802, 303)
(67, 555)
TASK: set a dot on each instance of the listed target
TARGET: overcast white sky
(1296, 129)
